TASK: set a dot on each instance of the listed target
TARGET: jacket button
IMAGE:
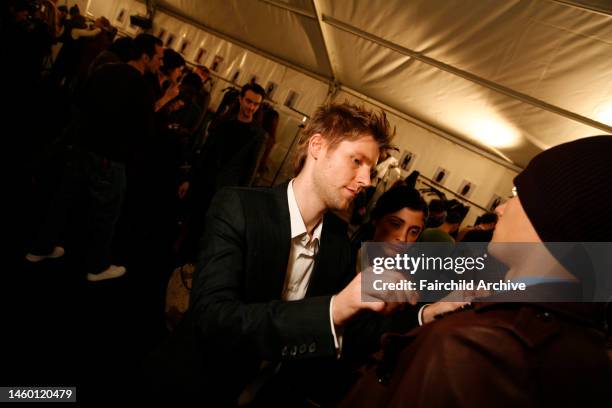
(312, 348)
(382, 379)
(544, 316)
(284, 351)
(302, 349)
(293, 351)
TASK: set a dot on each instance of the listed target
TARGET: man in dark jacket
(229, 158)
(518, 350)
(274, 292)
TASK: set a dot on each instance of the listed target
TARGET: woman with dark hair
(399, 217)
(172, 68)
(166, 85)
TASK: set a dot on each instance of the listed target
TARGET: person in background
(229, 158)
(451, 223)
(482, 231)
(437, 213)
(115, 119)
(165, 83)
(204, 73)
(119, 51)
(399, 215)
(412, 178)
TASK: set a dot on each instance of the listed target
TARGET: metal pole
(300, 126)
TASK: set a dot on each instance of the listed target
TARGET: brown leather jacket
(494, 355)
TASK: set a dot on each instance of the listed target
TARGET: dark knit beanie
(566, 191)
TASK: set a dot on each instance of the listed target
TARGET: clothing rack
(432, 184)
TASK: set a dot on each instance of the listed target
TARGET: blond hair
(344, 121)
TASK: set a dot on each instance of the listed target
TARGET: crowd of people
(129, 173)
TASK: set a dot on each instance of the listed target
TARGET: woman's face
(404, 225)
(175, 74)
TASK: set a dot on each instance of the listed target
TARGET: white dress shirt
(302, 255)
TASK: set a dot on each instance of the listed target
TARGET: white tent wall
(111, 9)
(258, 22)
(433, 151)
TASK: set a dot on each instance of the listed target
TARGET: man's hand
(349, 301)
(171, 93)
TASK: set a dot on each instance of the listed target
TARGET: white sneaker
(111, 272)
(57, 252)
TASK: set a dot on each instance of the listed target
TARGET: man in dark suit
(274, 292)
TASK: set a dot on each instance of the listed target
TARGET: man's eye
(357, 162)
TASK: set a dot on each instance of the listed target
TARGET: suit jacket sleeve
(274, 329)
(362, 335)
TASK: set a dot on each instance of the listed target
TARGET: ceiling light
(493, 133)
(603, 114)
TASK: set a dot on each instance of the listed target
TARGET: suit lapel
(277, 243)
(274, 246)
(330, 263)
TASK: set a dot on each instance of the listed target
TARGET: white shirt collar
(298, 228)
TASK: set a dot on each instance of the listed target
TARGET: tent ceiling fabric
(286, 34)
(509, 76)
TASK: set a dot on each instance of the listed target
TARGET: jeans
(102, 182)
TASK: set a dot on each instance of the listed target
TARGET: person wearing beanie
(507, 350)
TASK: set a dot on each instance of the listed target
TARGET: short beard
(331, 199)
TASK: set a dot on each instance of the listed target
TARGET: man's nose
(363, 177)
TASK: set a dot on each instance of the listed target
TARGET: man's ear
(316, 146)
(145, 58)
